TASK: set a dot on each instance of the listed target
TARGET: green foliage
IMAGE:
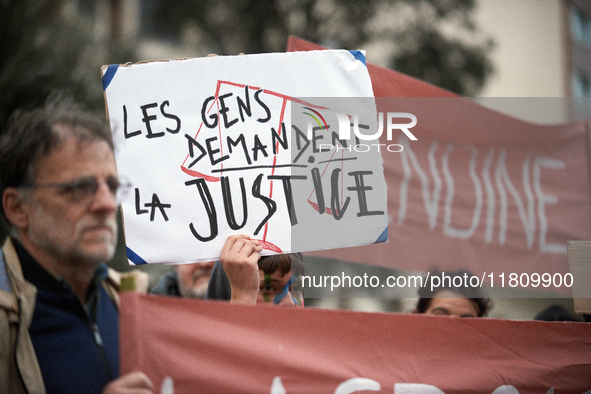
(44, 49)
(433, 40)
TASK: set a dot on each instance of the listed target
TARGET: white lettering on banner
(167, 386)
(507, 389)
(363, 384)
(357, 384)
(545, 199)
(277, 386)
(416, 388)
(447, 227)
(531, 210)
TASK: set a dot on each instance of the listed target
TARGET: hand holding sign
(137, 382)
(239, 257)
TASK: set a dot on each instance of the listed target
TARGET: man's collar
(43, 279)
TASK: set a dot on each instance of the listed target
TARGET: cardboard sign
(212, 148)
(188, 346)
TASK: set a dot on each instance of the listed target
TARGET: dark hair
(446, 281)
(556, 313)
(31, 135)
(283, 262)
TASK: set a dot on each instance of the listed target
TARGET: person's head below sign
(185, 280)
(60, 192)
(60, 188)
(451, 294)
(280, 281)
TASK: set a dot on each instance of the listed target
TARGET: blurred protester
(556, 313)
(59, 323)
(185, 280)
(451, 294)
(280, 281)
(60, 191)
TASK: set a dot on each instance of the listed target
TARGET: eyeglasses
(85, 188)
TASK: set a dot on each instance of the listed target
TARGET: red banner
(189, 346)
(478, 189)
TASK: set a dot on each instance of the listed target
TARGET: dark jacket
(168, 285)
(219, 285)
(19, 367)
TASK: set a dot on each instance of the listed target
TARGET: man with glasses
(58, 300)
(58, 311)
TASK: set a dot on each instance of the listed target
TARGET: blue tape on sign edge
(383, 236)
(109, 74)
(134, 258)
(359, 56)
